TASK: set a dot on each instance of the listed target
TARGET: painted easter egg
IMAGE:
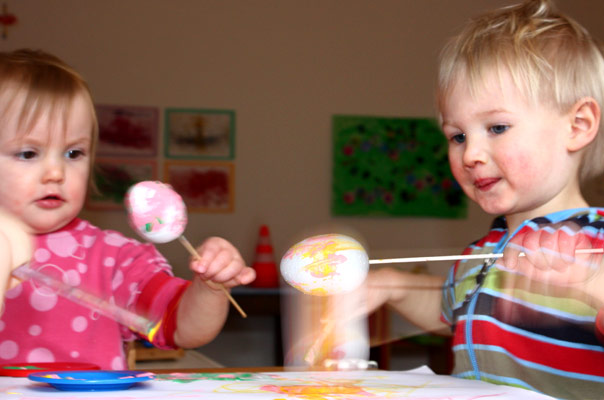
(325, 264)
(156, 211)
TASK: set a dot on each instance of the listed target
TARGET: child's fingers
(549, 255)
(511, 254)
(214, 253)
(206, 253)
(550, 247)
(568, 240)
(246, 276)
(226, 272)
(220, 262)
(223, 267)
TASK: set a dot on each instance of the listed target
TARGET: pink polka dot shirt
(37, 325)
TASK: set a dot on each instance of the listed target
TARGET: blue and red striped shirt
(525, 336)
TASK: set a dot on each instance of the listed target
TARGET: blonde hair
(550, 57)
(47, 83)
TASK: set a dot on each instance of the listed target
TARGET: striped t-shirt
(528, 336)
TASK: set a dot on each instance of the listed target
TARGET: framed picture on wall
(127, 131)
(205, 186)
(112, 177)
(199, 134)
(393, 167)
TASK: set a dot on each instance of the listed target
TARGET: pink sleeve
(159, 301)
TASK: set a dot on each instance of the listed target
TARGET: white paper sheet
(419, 383)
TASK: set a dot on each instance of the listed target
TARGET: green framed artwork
(199, 134)
(393, 167)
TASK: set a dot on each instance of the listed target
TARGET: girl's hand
(16, 248)
(220, 262)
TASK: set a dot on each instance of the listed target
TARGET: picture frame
(112, 177)
(204, 134)
(392, 166)
(127, 131)
(205, 186)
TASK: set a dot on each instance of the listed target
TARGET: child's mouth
(50, 202)
(485, 184)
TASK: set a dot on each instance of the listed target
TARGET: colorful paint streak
(310, 392)
(195, 377)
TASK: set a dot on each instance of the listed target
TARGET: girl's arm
(203, 307)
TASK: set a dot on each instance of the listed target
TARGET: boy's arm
(417, 297)
(203, 307)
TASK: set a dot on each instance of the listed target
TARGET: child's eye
(26, 155)
(459, 138)
(498, 129)
(74, 154)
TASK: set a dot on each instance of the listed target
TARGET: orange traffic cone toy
(264, 263)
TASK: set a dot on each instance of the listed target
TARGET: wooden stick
(194, 253)
(462, 257)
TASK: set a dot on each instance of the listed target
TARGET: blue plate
(91, 380)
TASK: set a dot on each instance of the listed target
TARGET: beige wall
(286, 67)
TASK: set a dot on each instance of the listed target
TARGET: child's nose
(54, 170)
(474, 153)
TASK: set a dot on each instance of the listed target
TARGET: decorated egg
(156, 211)
(325, 264)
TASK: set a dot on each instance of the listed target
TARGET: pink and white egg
(156, 212)
(325, 265)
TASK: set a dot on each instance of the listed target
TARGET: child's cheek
(456, 165)
(521, 165)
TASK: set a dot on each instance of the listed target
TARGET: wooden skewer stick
(462, 257)
(194, 253)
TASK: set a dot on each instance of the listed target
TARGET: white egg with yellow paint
(325, 264)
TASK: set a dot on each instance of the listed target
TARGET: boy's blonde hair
(551, 58)
(47, 83)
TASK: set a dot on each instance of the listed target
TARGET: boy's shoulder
(583, 217)
(587, 216)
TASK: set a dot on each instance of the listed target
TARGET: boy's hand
(551, 256)
(220, 262)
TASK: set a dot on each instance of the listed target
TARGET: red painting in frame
(127, 131)
(112, 177)
(205, 186)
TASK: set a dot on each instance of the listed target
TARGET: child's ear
(585, 123)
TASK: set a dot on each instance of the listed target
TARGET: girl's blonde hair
(46, 83)
(551, 58)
